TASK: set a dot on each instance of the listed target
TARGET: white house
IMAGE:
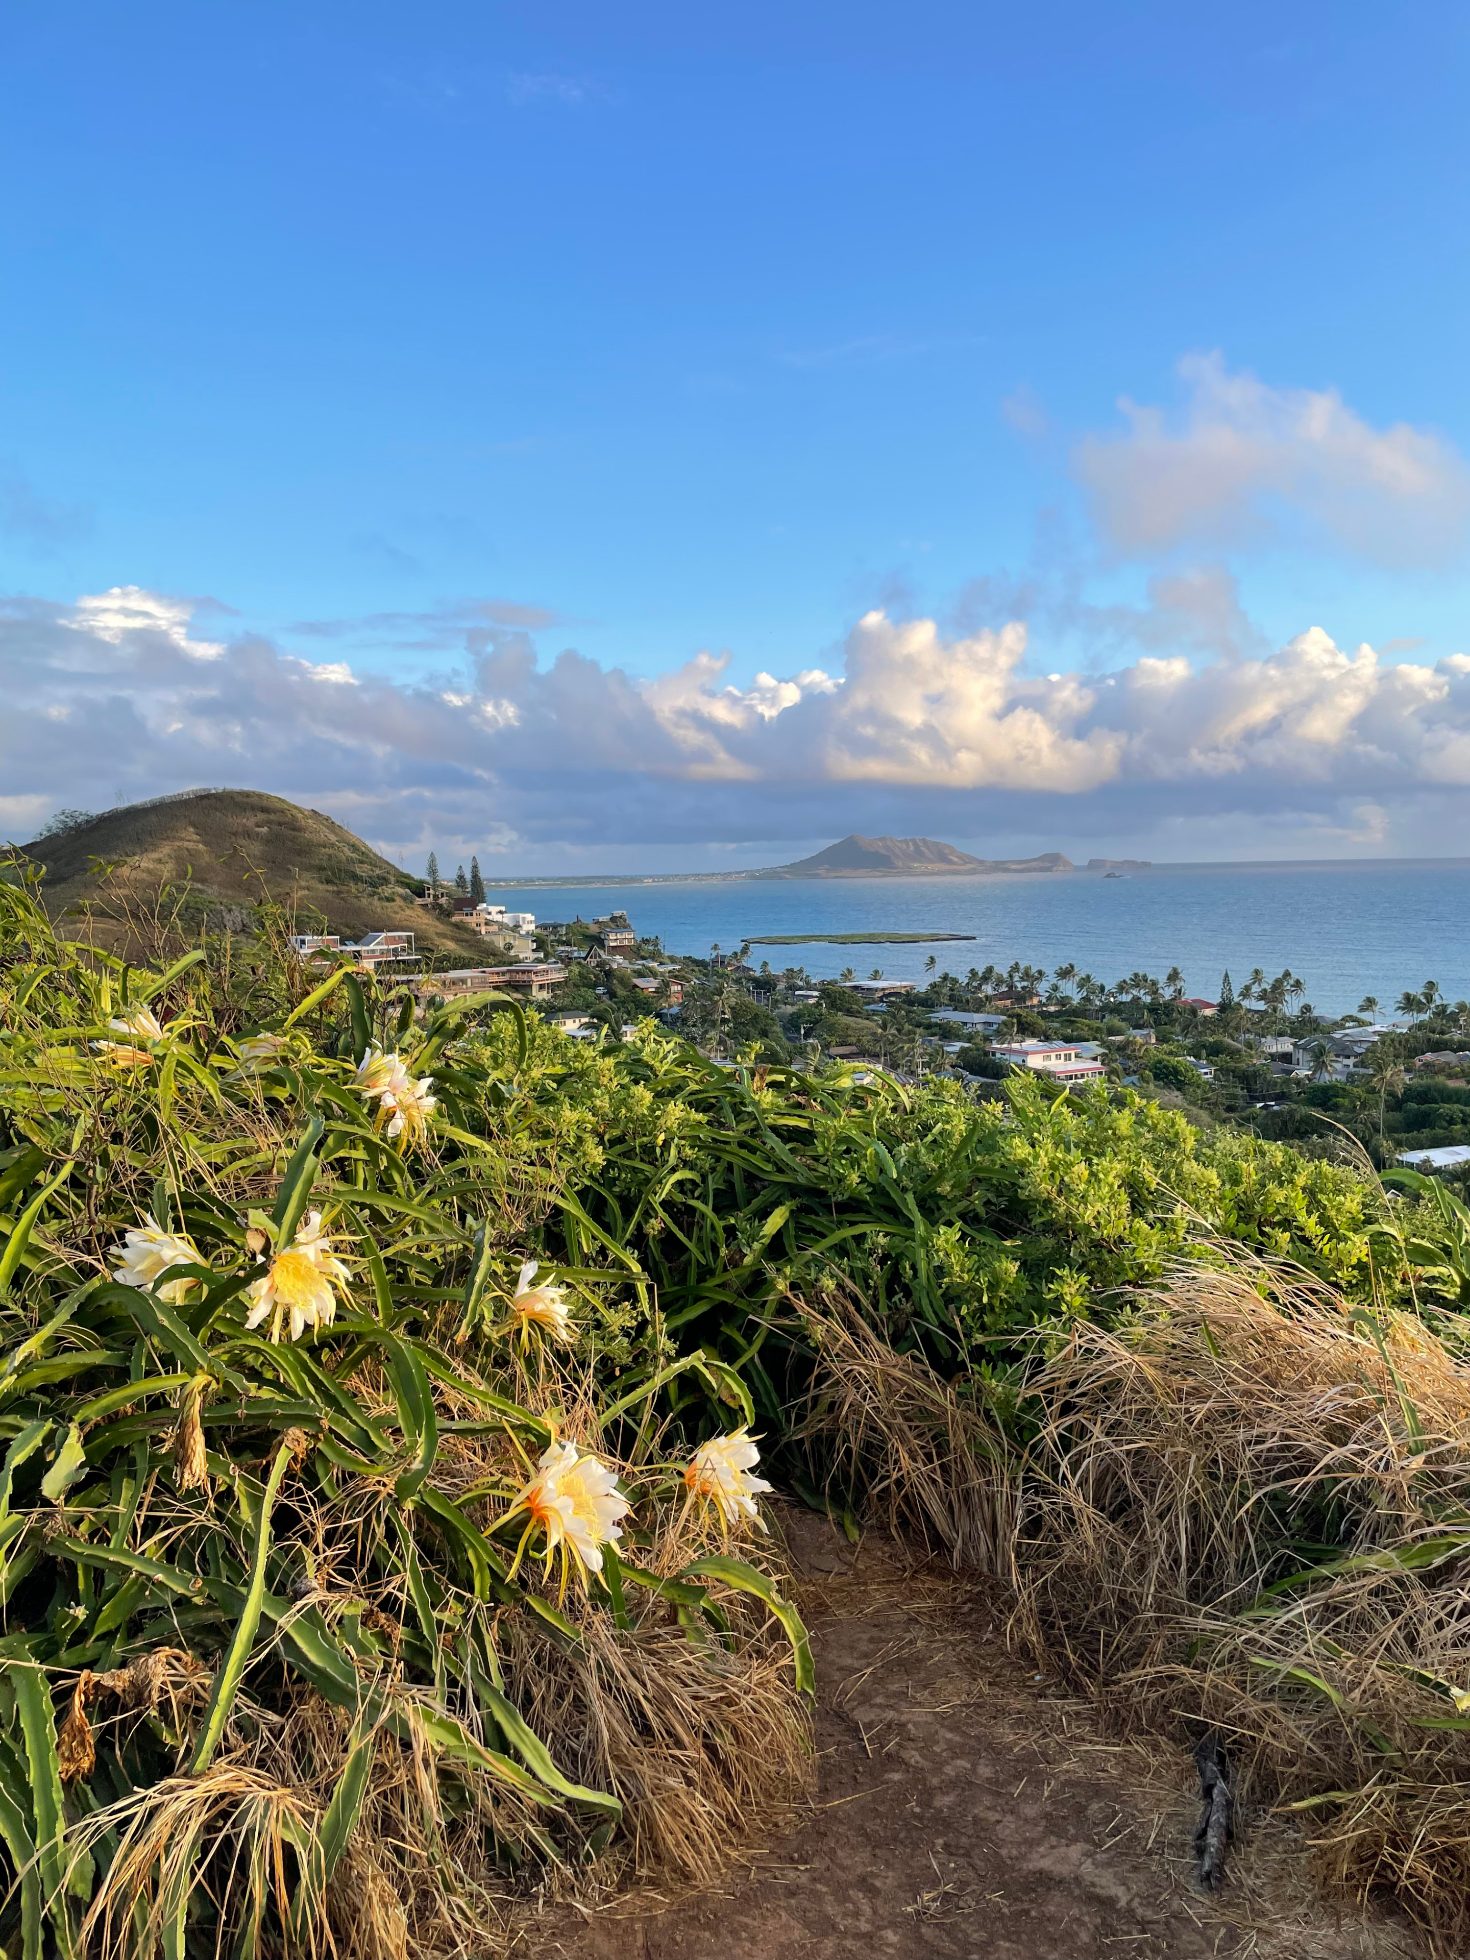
(1057, 1060)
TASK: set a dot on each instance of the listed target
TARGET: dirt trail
(966, 1810)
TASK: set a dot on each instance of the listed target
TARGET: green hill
(227, 851)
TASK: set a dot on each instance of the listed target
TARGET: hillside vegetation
(387, 1406)
(224, 852)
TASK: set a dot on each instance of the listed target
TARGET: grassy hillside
(229, 850)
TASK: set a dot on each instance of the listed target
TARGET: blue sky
(679, 329)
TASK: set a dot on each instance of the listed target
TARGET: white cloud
(123, 610)
(1241, 460)
(114, 698)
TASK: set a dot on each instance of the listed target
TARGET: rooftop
(1445, 1158)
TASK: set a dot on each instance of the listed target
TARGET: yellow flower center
(296, 1279)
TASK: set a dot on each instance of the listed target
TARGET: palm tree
(1174, 981)
(930, 964)
(1321, 1054)
(1411, 1004)
(1370, 1005)
(847, 976)
(876, 974)
(1386, 1076)
(1064, 975)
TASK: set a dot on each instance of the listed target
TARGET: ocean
(1348, 928)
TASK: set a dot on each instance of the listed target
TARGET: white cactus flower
(147, 1252)
(720, 1474)
(301, 1284)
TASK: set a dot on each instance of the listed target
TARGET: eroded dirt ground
(966, 1808)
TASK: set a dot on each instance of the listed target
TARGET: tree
(1386, 1075)
(876, 974)
(431, 870)
(1411, 1004)
(1227, 992)
(1174, 981)
(63, 821)
(930, 964)
(1370, 1005)
(477, 883)
(461, 883)
(847, 976)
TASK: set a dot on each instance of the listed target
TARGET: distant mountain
(904, 857)
(230, 849)
(1118, 864)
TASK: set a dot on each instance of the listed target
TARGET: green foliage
(1174, 1072)
(296, 1565)
(331, 1523)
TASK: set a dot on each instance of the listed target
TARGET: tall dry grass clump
(1249, 1506)
(929, 1465)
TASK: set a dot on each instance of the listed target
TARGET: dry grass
(1253, 1511)
(931, 1467)
(701, 1749)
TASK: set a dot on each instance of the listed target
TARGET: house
(617, 939)
(880, 989)
(1456, 1059)
(1058, 1061)
(383, 949)
(374, 949)
(1448, 1157)
(1278, 1048)
(1357, 1041)
(538, 978)
(959, 1017)
(1205, 1007)
(1144, 1035)
(1205, 1070)
(570, 1022)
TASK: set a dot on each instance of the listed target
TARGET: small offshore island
(853, 938)
(855, 856)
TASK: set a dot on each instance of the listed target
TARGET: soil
(966, 1808)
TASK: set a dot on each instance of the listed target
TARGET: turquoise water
(1348, 929)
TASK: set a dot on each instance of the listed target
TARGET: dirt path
(967, 1811)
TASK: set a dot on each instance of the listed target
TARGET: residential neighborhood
(1400, 1086)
